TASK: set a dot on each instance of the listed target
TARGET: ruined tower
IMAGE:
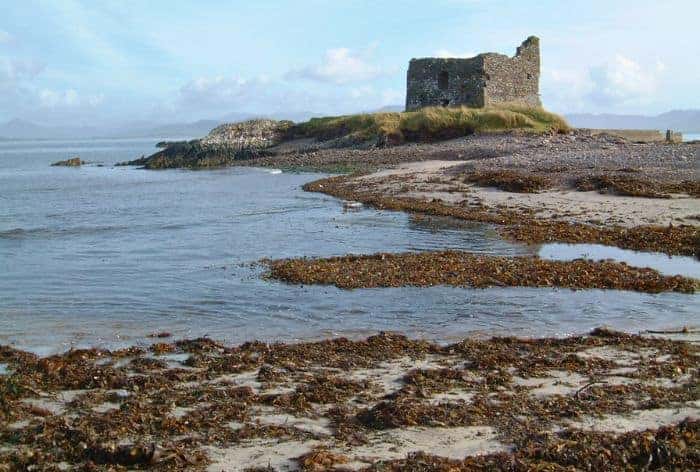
(478, 81)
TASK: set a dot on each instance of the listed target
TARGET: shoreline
(389, 402)
(384, 401)
(672, 240)
(541, 189)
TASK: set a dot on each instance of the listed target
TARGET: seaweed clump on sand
(667, 448)
(508, 180)
(180, 415)
(471, 270)
(636, 187)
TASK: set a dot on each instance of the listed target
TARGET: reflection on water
(668, 265)
(105, 256)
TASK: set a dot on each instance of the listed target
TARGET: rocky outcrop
(223, 145)
(72, 162)
(251, 134)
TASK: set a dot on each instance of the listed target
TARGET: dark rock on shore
(164, 144)
(72, 162)
(194, 155)
(221, 147)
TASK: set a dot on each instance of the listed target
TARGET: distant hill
(21, 129)
(195, 129)
(685, 121)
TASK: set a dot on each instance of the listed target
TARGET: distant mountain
(685, 121)
(174, 130)
(20, 129)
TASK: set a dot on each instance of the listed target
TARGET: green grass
(431, 124)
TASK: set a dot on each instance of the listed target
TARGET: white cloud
(5, 37)
(566, 90)
(340, 66)
(15, 70)
(446, 53)
(392, 97)
(623, 81)
(222, 92)
(68, 99)
(377, 98)
(617, 84)
(212, 96)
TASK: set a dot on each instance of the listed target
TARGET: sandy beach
(383, 403)
(389, 402)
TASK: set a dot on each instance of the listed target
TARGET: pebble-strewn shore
(514, 150)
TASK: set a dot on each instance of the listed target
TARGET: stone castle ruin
(480, 81)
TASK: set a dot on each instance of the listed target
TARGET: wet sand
(430, 180)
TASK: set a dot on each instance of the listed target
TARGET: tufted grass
(432, 124)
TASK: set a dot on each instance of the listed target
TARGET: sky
(88, 62)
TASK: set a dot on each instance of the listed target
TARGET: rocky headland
(223, 146)
(228, 144)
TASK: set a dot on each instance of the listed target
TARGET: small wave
(16, 233)
(177, 226)
(23, 233)
(272, 211)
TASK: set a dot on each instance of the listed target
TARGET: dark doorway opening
(443, 80)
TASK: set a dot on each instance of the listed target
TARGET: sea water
(104, 256)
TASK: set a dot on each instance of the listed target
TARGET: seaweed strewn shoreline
(387, 402)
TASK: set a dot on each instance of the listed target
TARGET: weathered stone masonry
(479, 81)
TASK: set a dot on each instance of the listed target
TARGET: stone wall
(514, 79)
(479, 81)
(464, 84)
(639, 135)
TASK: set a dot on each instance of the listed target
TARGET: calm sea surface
(103, 256)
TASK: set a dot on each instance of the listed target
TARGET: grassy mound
(431, 124)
